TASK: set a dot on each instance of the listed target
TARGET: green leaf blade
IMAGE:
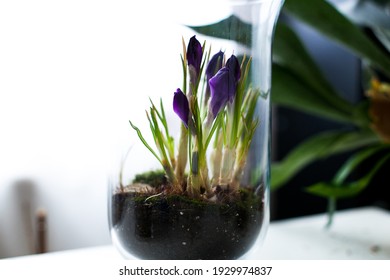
(318, 147)
(290, 53)
(141, 137)
(345, 190)
(231, 28)
(325, 18)
(354, 161)
(291, 91)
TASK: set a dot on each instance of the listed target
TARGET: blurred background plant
(363, 28)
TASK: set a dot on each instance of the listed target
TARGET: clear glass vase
(195, 182)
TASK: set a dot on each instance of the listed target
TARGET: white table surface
(359, 234)
(362, 233)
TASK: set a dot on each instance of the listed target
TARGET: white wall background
(70, 74)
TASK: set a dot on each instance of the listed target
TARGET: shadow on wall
(18, 233)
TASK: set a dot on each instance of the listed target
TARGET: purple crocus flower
(214, 65)
(233, 64)
(181, 106)
(194, 54)
(224, 84)
(223, 88)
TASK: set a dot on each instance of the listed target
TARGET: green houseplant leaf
(317, 147)
(325, 18)
(231, 28)
(338, 188)
(350, 165)
(292, 91)
(289, 52)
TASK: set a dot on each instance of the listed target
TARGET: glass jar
(195, 182)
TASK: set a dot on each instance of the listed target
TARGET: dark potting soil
(177, 227)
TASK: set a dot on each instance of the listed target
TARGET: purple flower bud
(223, 88)
(233, 64)
(224, 84)
(214, 65)
(194, 54)
(181, 106)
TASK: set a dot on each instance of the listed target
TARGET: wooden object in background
(41, 231)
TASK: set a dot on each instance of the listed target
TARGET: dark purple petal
(233, 64)
(194, 54)
(215, 64)
(181, 106)
(223, 88)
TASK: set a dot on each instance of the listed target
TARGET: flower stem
(216, 159)
(182, 155)
(193, 187)
(228, 160)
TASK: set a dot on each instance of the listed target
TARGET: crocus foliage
(216, 109)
